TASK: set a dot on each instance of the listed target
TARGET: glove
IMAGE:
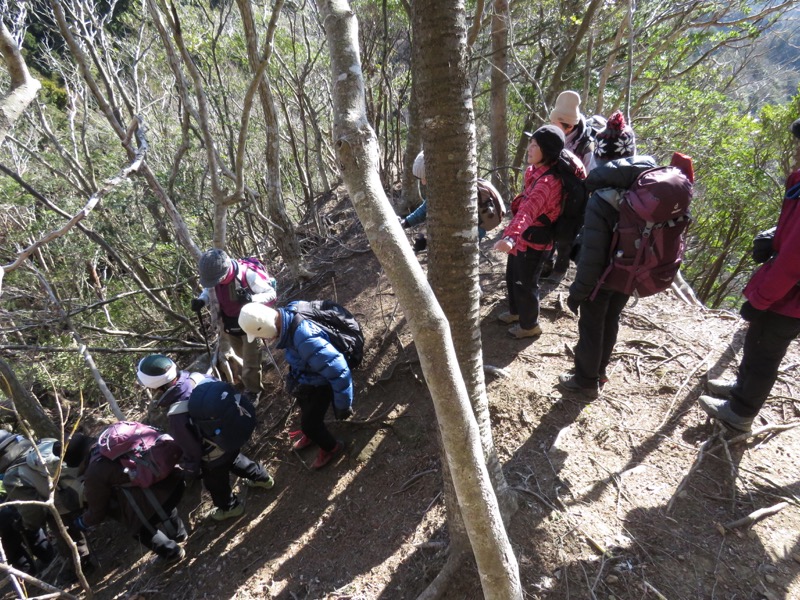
(420, 243)
(198, 304)
(80, 525)
(402, 221)
(573, 304)
(749, 312)
(244, 295)
(343, 413)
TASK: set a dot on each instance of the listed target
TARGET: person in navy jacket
(773, 311)
(318, 373)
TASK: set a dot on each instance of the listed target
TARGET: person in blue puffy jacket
(318, 373)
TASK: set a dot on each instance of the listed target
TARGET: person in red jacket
(773, 311)
(528, 238)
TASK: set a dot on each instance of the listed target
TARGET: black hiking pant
(314, 401)
(765, 344)
(17, 542)
(598, 326)
(217, 479)
(522, 283)
(163, 543)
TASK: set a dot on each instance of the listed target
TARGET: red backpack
(649, 240)
(147, 455)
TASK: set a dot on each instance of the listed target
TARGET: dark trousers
(15, 539)
(216, 476)
(765, 344)
(314, 402)
(522, 283)
(154, 537)
(598, 327)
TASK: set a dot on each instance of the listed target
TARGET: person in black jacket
(598, 322)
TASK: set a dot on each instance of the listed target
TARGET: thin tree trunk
(27, 406)
(499, 97)
(357, 153)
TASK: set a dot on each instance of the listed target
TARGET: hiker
(15, 538)
(202, 457)
(579, 138)
(235, 283)
(772, 309)
(578, 132)
(594, 299)
(27, 479)
(319, 375)
(110, 489)
(528, 237)
(491, 208)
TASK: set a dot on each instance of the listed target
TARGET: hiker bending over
(491, 207)
(528, 237)
(235, 283)
(772, 310)
(27, 479)
(19, 543)
(148, 510)
(202, 455)
(319, 375)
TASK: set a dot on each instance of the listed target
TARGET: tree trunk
(23, 87)
(499, 98)
(357, 153)
(27, 406)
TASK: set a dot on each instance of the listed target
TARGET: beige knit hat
(567, 108)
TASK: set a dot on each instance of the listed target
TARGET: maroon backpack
(147, 455)
(649, 240)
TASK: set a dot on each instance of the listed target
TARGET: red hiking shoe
(323, 458)
(301, 440)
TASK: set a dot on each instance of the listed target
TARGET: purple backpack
(147, 455)
(649, 240)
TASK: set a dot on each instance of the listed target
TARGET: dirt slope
(599, 517)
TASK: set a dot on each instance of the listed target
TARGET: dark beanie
(78, 449)
(796, 129)
(551, 142)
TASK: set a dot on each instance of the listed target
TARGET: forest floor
(610, 506)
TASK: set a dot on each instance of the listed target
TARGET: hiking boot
(262, 483)
(720, 388)
(567, 383)
(722, 412)
(302, 441)
(603, 381)
(518, 332)
(220, 514)
(323, 458)
(507, 318)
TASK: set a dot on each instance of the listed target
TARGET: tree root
(441, 583)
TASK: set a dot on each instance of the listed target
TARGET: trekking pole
(205, 337)
(272, 358)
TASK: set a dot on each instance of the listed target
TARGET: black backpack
(222, 414)
(574, 196)
(343, 330)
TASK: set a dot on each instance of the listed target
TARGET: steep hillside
(611, 504)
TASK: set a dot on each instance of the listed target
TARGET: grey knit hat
(213, 266)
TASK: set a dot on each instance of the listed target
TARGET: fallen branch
(756, 516)
(37, 582)
(697, 462)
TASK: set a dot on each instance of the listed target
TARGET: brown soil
(607, 507)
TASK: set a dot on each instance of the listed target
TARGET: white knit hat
(156, 370)
(419, 166)
(567, 108)
(258, 321)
